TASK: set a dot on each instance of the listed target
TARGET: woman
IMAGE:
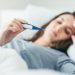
(40, 53)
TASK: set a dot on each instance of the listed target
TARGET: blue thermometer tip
(30, 26)
(36, 28)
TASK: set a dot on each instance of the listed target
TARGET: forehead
(66, 17)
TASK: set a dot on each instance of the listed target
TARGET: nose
(58, 29)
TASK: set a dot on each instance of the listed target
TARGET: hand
(73, 39)
(73, 36)
(11, 30)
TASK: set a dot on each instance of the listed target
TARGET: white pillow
(71, 52)
(35, 15)
(38, 16)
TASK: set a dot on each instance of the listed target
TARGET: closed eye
(68, 31)
(59, 22)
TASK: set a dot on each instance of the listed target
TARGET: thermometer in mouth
(32, 27)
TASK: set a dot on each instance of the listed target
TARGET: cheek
(62, 36)
(52, 24)
(50, 27)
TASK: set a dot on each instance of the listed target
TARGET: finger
(14, 27)
(73, 38)
(18, 23)
(21, 20)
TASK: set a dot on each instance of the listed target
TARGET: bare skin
(11, 30)
(59, 29)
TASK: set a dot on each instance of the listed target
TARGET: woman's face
(59, 29)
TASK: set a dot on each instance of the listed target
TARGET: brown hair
(59, 45)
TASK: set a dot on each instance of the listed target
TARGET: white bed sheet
(10, 60)
(12, 64)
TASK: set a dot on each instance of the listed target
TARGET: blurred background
(52, 4)
(58, 5)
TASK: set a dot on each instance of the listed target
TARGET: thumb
(73, 39)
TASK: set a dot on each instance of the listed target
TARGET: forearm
(2, 39)
(66, 65)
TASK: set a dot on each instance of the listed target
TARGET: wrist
(2, 39)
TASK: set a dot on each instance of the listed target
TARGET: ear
(73, 39)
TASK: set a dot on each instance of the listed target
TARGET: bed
(10, 62)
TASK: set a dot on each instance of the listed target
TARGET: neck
(43, 42)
